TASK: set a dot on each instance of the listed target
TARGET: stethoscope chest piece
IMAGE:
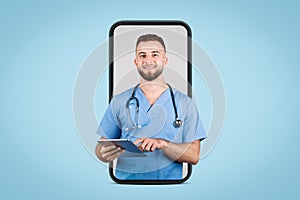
(177, 123)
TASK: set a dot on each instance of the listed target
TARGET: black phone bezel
(111, 86)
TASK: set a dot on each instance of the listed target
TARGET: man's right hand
(108, 152)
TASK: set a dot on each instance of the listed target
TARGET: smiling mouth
(149, 67)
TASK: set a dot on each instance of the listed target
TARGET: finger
(111, 152)
(153, 147)
(106, 143)
(111, 155)
(144, 144)
(139, 140)
(108, 148)
(115, 155)
(140, 148)
(148, 146)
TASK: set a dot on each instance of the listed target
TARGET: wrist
(165, 144)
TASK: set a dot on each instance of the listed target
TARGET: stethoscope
(177, 122)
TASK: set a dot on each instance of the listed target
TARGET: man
(166, 144)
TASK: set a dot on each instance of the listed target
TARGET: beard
(147, 74)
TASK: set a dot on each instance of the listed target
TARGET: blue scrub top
(156, 122)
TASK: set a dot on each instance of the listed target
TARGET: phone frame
(111, 85)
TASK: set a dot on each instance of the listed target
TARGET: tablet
(125, 144)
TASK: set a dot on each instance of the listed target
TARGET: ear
(135, 62)
(166, 60)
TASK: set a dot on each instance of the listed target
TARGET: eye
(155, 55)
(142, 56)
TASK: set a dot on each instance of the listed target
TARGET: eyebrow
(155, 52)
(142, 52)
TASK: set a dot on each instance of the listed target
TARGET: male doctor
(168, 127)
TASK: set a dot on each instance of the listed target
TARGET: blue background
(255, 46)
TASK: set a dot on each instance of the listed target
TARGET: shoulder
(122, 97)
(181, 97)
(185, 102)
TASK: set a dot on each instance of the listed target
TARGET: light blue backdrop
(255, 46)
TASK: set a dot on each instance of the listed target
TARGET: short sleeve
(192, 126)
(108, 126)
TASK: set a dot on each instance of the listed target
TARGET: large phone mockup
(123, 73)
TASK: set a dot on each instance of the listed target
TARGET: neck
(153, 89)
(153, 86)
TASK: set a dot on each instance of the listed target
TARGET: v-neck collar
(145, 105)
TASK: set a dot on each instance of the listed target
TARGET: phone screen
(123, 73)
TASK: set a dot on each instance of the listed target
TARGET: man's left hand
(151, 144)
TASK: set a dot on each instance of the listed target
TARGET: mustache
(149, 65)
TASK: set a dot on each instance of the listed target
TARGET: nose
(148, 59)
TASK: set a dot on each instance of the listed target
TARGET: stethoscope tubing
(177, 123)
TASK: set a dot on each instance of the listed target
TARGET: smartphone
(123, 74)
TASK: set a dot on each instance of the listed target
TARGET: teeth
(149, 67)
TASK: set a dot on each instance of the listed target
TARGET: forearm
(186, 152)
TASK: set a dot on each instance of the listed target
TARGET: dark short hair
(150, 37)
